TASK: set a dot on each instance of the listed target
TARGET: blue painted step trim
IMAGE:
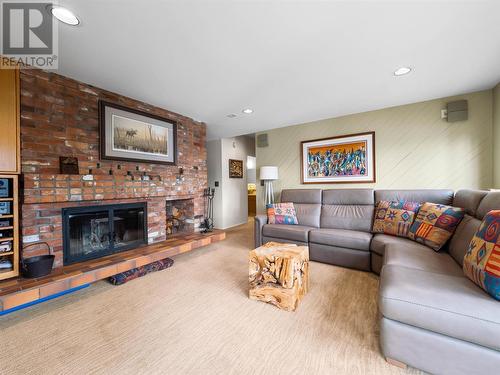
(48, 298)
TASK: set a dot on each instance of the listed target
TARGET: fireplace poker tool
(208, 222)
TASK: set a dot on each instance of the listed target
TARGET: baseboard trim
(232, 226)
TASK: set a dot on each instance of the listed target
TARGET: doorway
(251, 186)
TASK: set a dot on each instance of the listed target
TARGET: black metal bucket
(38, 266)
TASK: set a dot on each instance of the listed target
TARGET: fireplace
(97, 231)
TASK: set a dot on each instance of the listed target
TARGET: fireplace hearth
(96, 231)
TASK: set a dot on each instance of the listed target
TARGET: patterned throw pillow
(281, 213)
(394, 217)
(482, 259)
(435, 224)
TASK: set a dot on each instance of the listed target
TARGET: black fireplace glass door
(128, 226)
(97, 231)
(89, 234)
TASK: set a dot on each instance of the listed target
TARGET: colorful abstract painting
(341, 159)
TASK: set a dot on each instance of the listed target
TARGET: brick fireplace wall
(59, 117)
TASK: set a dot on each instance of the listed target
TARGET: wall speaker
(262, 140)
(457, 111)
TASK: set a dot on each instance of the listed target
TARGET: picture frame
(341, 159)
(128, 134)
(235, 168)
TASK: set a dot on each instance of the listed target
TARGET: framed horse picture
(343, 159)
(131, 135)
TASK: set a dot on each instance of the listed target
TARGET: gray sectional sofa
(432, 316)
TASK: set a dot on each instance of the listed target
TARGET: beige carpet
(195, 318)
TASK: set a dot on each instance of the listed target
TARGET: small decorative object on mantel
(68, 165)
(235, 168)
(343, 159)
(131, 135)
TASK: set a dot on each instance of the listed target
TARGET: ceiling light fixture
(65, 15)
(402, 71)
(247, 111)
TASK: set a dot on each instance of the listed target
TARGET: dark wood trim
(102, 133)
(372, 133)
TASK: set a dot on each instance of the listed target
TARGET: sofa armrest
(260, 220)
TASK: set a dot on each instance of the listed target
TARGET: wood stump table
(279, 274)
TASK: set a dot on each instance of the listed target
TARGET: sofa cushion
(442, 196)
(435, 224)
(424, 259)
(354, 217)
(289, 232)
(347, 209)
(281, 213)
(340, 256)
(394, 217)
(482, 259)
(308, 214)
(307, 203)
(348, 196)
(469, 200)
(350, 239)
(381, 241)
(449, 305)
(489, 203)
(460, 241)
(311, 196)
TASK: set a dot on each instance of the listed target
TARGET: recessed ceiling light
(65, 15)
(402, 71)
(247, 111)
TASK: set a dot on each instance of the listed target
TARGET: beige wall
(496, 137)
(415, 148)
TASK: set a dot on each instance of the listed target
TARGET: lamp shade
(268, 173)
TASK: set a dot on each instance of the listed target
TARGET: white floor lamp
(269, 174)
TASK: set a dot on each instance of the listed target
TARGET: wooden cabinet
(10, 167)
(9, 226)
(9, 121)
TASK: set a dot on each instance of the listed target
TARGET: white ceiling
(290, 61)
